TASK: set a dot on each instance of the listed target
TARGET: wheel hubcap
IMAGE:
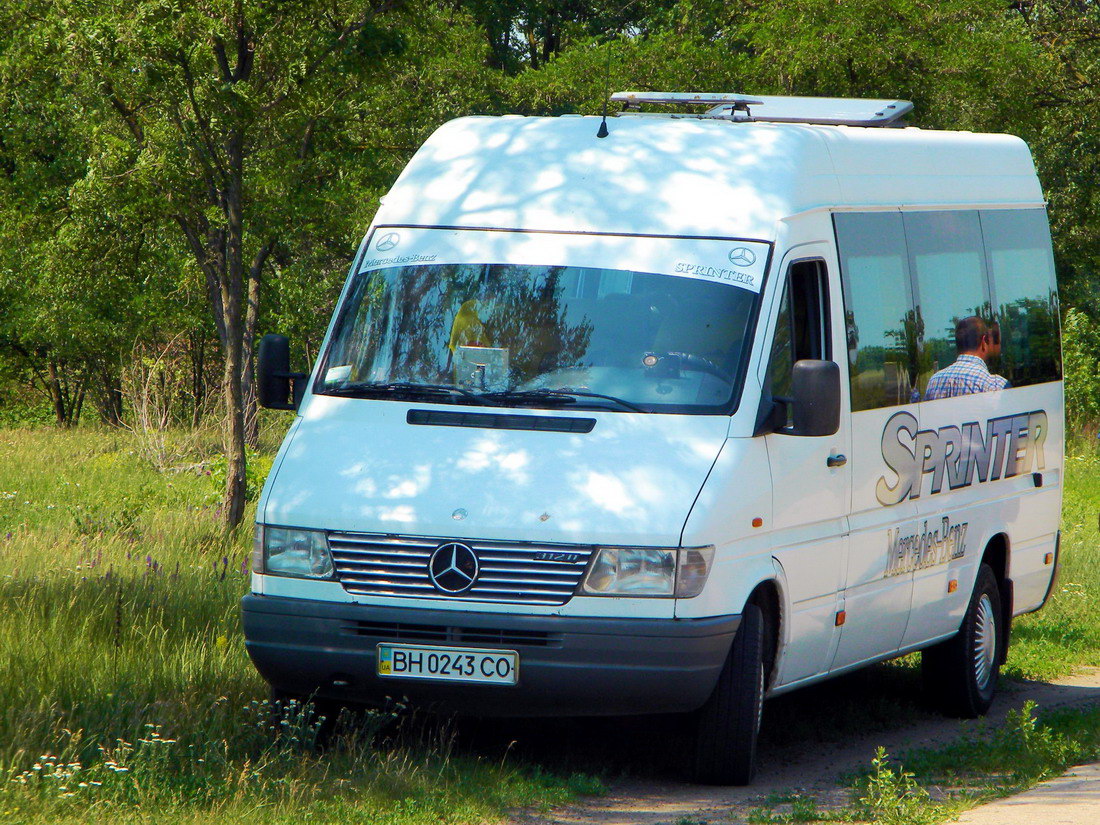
(985, 642)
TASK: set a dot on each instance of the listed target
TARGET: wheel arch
(997, 556)
(766, 595)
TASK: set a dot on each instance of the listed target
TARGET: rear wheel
(961, 673)
(729, 723)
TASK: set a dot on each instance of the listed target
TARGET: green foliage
(1081, 365)
(118, 120)
(256, 470)
(892, 796)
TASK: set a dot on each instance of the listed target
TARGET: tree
(212, 112)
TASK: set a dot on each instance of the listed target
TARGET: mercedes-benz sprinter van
(715, 406)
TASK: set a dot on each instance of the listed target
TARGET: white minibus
(669, 413)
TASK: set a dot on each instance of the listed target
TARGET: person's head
(973, 337)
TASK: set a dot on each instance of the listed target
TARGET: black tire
(961, 673)
(729, 723)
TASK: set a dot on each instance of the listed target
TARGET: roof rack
(833, 111)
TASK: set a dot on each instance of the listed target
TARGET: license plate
(451, 664)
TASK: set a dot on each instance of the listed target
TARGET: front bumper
(569, 666)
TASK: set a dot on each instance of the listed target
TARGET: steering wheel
(694, 363)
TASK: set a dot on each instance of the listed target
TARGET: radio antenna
(602, 131)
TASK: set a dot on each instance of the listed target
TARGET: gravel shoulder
(809, 753)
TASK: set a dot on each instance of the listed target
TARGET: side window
(782, 356)
(945, 257)
(881, 325)
(802, 329)
(1017, 244)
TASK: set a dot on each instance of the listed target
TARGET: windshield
(525, 334)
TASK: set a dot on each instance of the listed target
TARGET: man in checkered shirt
(976, 343)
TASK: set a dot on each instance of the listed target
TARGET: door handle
(836, 461)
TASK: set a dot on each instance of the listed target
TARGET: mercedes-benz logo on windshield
(387, 242)
(742, 256)
(453, 568)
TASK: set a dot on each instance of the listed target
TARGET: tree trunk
(232, 288)
(235, 488)
(57, 395)
(198, 377)
(248, 371)
(78, 403)
(109, 397)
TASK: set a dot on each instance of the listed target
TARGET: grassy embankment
(125, 691)
(120, 653)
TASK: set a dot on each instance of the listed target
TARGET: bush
(1081, 364)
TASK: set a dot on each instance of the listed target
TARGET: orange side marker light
(840, 616)
(758, 522)
(952, 585)
(1048, 558)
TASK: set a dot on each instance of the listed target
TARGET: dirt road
(810, 739)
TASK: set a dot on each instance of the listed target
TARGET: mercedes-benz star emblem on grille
(387, 242)
(453, 568)
(742, 256)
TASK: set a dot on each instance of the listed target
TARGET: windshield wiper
(564, 394)
(408, 388)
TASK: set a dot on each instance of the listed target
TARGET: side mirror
(277, 388)
(815, 386)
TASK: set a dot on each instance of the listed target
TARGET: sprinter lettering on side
(1010, 445)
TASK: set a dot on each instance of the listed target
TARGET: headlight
(643, 571)
(285, 551)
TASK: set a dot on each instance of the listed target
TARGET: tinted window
(1018, 252)
(802, 329)
(880, 323)
(782, 358)
(945, 257)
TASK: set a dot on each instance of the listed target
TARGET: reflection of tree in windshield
(643, 337)
(409, 321)
(528, 319)
(1030, 350)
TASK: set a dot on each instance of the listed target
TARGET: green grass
(125, 691)
(120, 642)
(1066, 633)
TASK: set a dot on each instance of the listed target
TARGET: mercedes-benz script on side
(671, 416)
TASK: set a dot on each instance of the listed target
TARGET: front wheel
(961, 673)
(729, 723)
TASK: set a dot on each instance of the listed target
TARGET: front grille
(510, 573)
(419, 633)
